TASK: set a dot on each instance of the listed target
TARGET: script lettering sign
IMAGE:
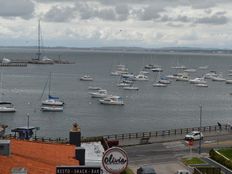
(115, 160)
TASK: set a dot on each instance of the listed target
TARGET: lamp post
(200, 129)
(28, 117)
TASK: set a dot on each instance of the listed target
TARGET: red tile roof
(37, 157)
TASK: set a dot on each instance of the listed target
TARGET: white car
(194, 135)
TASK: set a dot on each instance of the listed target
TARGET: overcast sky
(98, 23)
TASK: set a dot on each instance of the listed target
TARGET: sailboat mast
(49, 84)
(39, 39)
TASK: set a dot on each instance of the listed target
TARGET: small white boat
(218, 78)
(228, 81)
(7, 107)
(52, 108)
(203, 67)
(5, 60)
(190, 70)
(158, 69)
(210, 75)
(198, 80)
(150, 66)
(179, 67)
(94, 88)
(112, 100)
(183, 77)
(123, 84)
(164, 80)
(86, 78)
(201, 85)
(99, 94)
(141, 77)
(130, 88)
(159, 85)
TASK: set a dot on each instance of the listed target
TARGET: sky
(117, 23)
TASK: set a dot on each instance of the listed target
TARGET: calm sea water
(149, 109)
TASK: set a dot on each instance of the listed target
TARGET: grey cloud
(122, 12)
(217, 18)
(17, 8)
(214, 19)
(59, 14)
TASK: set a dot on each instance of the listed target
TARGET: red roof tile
(37, 157)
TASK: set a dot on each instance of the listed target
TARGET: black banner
(78, 170)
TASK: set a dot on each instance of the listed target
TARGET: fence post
(209, 128)
(136, 135)
(156, 133)
(149, 134)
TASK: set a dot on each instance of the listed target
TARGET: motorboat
(7, 107)
(52, 108)
(203, 67)
(141, 77)
(94, 88)
(201, 85)
(131, 88)
(112, 100)
(179, 67)
(53, 101)
(190, 70)
(210, 75)
(86, 78)
(164, 80)
(158, 69)
(218, 78)
(5, 60)
(228, 81)
(123, 84)
(150, 66)
(198, 80)
(159, 85)
(99, 94)
(183, 77)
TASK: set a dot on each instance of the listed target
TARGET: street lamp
(28, 117)
(200, 129)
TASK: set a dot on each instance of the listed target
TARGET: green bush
(220, 158)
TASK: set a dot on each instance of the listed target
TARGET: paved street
(165, 156)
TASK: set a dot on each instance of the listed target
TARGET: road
(167, 153)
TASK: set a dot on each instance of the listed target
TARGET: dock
(13, 64)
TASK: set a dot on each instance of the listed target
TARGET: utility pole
(200, 130)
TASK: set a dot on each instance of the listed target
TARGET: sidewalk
(166, 138)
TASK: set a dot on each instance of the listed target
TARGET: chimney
(80, 155)
(75, 135)
(5, 147)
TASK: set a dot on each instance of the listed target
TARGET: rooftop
(37, 157)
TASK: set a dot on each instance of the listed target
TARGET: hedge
(215, 155)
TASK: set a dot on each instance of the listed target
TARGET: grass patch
(194, 160)
(226, 152)
(127, 171)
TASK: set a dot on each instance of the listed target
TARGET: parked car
(146, 170)
(194, 135)
(183, 172)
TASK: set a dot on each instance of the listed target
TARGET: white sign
(115, 160)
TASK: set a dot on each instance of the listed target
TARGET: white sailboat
(5, 106)
(39, 59)
(52, 103)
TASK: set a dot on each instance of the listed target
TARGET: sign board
(115, 160)
(77, 170)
